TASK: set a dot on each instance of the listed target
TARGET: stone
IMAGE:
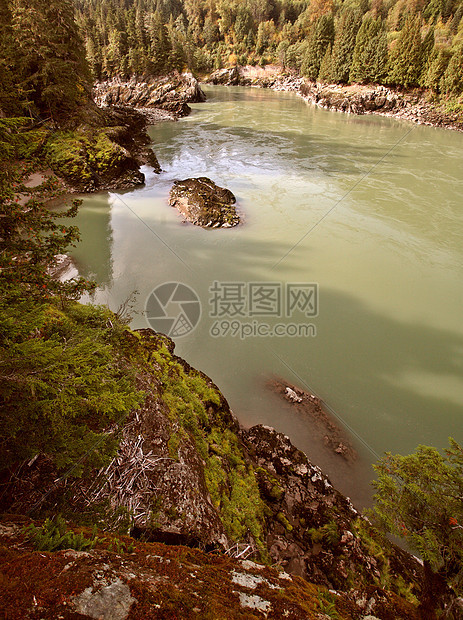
(170, 93)
(204, 203)
(291, 395)
(254, 602)
(112, 602)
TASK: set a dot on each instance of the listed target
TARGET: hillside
(398, 43)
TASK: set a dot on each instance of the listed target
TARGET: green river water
(369, 208)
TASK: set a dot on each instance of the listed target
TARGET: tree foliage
(377, 42)
(63, 381)
(51, 65)
(419, 497)
(369, 58)
(406, 61)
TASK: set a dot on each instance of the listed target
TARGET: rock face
(104, 152)
(170, 94)
(317, 416)
(204, 203)
(226, 77)
(186, 474)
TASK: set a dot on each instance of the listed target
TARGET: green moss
(328, 533)
(231, 482)
(67, 155)
(80, 155)
(173, 444)
(281, 517)
(104, 154)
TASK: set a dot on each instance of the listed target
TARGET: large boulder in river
(204, 203)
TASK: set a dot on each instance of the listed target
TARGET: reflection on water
(388, 355)
(95, 250)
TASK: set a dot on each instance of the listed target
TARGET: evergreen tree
(434, 10)
(321, 36)
(160, 45)
(419, 498)
(344, 44)
(52, 65)
(369, 59)
(61, 380)
(436, 68)
(94, 58)
(406, 58)
(9, 93)
(452, 80)
(326, 73)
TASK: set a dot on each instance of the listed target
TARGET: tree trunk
(434, 590)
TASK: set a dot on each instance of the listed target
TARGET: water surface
(370, 208)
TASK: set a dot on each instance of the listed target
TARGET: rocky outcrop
(107, 143)
(120, 580)
(63, 268)
(187, 474)
(204, 203)
(312, 529)
(226, 77)
(359, 99)
(103, 152)
(170, 94)
(324, 427)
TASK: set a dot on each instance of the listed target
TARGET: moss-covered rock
(204, 203)
(186, 474)
(89, 160)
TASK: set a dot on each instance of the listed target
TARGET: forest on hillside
(48, 71)
(402, 43)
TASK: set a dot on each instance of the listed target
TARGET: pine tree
(406, 58)
(436, 68)
(61, 384)
(52, 63)
(369, 59)
(344, 44)
(419, 498)
(434, 10)
(321, 36)
(94, 57)
(452, 80)
(9, 94)
(160, 44)
(326, 67)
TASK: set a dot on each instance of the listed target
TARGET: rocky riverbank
(187, 474)
(163, 97)
(103, 146)
(354, 99)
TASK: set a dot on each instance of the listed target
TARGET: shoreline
(352, 99)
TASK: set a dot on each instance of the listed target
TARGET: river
(369, 209)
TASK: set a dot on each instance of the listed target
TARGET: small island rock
(204, 203)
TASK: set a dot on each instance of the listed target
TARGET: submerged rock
(204, 203)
